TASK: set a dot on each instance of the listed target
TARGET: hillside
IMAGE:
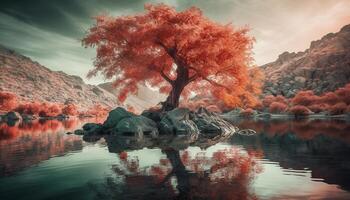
(32, 81)
(145, 97)
(325, 66)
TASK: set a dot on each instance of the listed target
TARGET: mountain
(32, 81)
(145, 97)
(325, 66)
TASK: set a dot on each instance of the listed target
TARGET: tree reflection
(225, 174)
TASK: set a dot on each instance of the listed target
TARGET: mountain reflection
(318, 145)
(25, 144)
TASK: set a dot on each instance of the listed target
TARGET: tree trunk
(178, 86)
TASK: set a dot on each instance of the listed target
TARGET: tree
(178, 52)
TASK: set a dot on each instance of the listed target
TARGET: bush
(330, 98)
(338, 109)
(70, 109)
(277, 107)
(8, 101)
(317, 108)
(299, 110)
(247, 112)
(305, 98)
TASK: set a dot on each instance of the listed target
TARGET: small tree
(179, 52)
(8, 101)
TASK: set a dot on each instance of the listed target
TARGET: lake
(284, 160)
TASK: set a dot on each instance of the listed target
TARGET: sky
(50, 32)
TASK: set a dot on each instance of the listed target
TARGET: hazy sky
(50, 31)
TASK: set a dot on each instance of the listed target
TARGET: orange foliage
(8, 101)
(181, 52)
(98, 111)
(40, 109)
(278, 107)
(299, 110)
(70, 109)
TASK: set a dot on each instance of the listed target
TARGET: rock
(115, 116)
(12, 116)
(212, 124)
(323, 67)
(79, 132)
(153, 115)
(171, 121)
(62, 117)
(26, 117)
(136, 125)
(92, 129)
(69, 133)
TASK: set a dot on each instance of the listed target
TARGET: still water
(284, 160)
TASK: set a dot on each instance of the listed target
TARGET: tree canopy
(178, 52)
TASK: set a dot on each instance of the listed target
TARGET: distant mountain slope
(323, 67)
(145, 97)
(32, 81)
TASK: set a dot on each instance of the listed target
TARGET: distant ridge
(325, 66)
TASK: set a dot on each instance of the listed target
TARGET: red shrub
(98, 111)
(277, 107)
(49, 110)
(70, 109)
(247, 112)
(330, 98)
(268, 100)
(317, 108)
(8, 101)
(32, 108)
(305, 98)
(258, 106)
(338, 109)
(344, 94)
(281, 99)
(299, 110)
(347, 109)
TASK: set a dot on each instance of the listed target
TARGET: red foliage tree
(278, 107)
(299, 110)
(175, 51)
(316, 108)
(8, 101)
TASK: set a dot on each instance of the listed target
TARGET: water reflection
(320, 146)
(25, 144)
(284, 160)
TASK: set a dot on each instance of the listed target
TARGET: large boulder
(212, 124)
(115, 116)
(172, 121)
(136, 125)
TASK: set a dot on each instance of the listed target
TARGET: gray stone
(136, 125)
(92, 129)
(115, 116)
(170, 122)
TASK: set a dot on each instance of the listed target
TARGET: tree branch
(166, 77)
(216, 84)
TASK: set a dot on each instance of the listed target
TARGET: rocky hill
(325, 66)
(145, 97)
(32, 81)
